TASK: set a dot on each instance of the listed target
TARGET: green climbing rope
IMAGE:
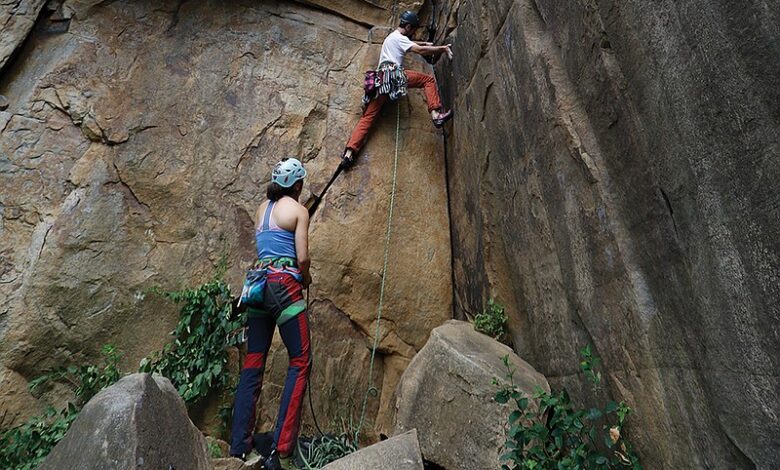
(371, 390)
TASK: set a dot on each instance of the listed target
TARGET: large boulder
(447, 394)
(138, 423)
(401, 452)
(613, 173)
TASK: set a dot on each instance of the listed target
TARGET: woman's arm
(302, 244)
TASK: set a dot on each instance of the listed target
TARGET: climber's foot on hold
(440, 117)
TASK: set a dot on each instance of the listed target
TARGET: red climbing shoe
(443, 117)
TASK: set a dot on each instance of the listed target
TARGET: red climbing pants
(415, 80)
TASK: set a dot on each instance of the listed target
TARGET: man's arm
(431, 50)
(302, 245)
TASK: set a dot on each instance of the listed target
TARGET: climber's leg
(428, 84)
(295, 334)
(359, 134)
(261, 330)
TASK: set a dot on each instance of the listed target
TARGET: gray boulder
(400, 452)
(447, 393)
(138, 423)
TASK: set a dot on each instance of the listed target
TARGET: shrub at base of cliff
(555, 435)
(195, 360)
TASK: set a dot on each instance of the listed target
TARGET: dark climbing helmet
(287, 172)
(410, 18)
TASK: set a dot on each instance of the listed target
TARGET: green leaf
(522, 403)
(594, 414)
(502, 396)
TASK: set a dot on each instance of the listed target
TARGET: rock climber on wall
(393, 80)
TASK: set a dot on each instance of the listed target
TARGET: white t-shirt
(395, 47)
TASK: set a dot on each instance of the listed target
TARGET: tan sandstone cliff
(137, 145)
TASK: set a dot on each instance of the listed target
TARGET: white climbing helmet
(287, 172)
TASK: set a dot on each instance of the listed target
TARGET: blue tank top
(273, 241)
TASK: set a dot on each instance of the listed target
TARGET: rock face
(18, 18)
(138, 423)
(613, 171)
(447, 394)
(137, 147)
(400, 452)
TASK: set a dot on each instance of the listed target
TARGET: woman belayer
(281, 235)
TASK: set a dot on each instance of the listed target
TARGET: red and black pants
(282, 293)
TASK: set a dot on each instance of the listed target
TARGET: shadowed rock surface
(447, 394)
(138, 423)
(613, 170)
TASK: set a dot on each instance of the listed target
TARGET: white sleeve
(405, 43)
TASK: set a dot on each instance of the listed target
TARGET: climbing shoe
(442, 118)
(274, 462)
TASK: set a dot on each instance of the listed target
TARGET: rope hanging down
(371, 390)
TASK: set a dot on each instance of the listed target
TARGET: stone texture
(17, 18)
(137, 147)
(447, 394)
(400, 452)
(613, 171)
(229, 463)
(368, 12)
(16, 399)
(138, 423)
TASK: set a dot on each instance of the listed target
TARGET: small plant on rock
(492, 322)
(546, 431)
(88, 379)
